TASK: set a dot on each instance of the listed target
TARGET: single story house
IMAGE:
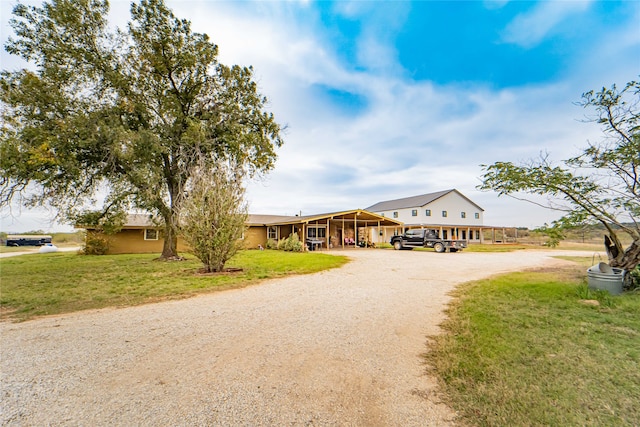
(140, 234)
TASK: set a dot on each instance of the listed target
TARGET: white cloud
(412, 137)
(531, 28)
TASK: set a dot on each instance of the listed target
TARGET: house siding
(255, 236)
(452, 203)
(131, 241)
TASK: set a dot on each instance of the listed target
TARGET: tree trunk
(170, 214)
(170, 246)
(629, 259)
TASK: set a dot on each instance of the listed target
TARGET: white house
(449, 212)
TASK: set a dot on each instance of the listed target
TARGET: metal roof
(415, 201)
(360, 214)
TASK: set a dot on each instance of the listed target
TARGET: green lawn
(42, 284)
(495, 248)
(524, 349)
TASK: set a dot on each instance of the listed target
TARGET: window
(150, 234)
(414, 212)
(427, 212)
(477, 234)
(395, 214)
(477, 215)
(444, 214)
(316, 232)
(463, 214)
(272, 233)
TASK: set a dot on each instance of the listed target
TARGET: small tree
(554, 234)
(600, 185)
(214, 215)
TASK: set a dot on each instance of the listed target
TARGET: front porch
(332, 230)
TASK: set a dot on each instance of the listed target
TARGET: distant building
(28, 240)
(450, 212)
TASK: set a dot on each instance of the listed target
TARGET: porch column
(303, 239)
(327, 234)
(355, 227)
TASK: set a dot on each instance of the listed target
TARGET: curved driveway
(342, 347)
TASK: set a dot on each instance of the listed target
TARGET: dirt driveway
(341, 347)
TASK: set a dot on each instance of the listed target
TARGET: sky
(388, 99)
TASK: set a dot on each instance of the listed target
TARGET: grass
(495, 248)
(9, 249)
(523, 349)
(44, 284)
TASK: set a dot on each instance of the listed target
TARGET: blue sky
(384, 100)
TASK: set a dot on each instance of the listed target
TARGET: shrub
(291, 244)
(96, 243)
(632, 280)
(272, 244)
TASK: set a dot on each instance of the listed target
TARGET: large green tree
(126, 112)
(601, 185)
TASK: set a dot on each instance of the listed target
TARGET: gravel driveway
(342, 347)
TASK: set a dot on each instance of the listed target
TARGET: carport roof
(359, 214)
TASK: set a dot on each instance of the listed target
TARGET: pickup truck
(425, 238)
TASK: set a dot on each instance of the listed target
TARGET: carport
(332, 230)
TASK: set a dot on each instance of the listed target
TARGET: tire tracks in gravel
(340, 347)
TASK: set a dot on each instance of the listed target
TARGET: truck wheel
(397, 245)
(439, 247)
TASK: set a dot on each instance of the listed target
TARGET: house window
(463, 214)
(444, 214)
(150, 234)
(477, 234)
(477, 215)
(395, 214)
(316, 232)
(272, 233)
(427, 212)
(414, 212)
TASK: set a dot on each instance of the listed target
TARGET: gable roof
(415, 201)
